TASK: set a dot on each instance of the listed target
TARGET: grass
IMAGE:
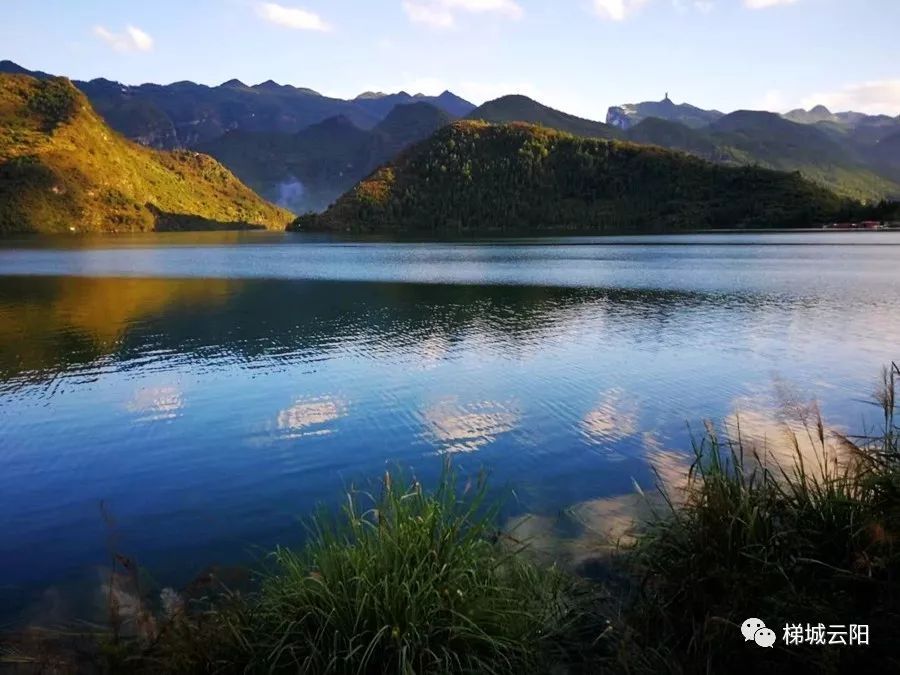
(411, 581)
(404, 581)
(807, 543)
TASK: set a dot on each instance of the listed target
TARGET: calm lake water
(209, 390)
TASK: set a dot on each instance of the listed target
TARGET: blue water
(210, 390)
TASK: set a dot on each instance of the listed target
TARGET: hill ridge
(64, 169)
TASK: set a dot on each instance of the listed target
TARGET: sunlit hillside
(63, 169)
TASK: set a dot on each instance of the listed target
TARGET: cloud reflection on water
(614, 418)
(156, 403)
(465, 428)
(311, 417)
(775, 427)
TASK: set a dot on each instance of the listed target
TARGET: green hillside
(675, 136)
(771, 141)
(523, 109)
(819, 151)
(62, 168)
(474, 176)
(823, 152)
(886, 155)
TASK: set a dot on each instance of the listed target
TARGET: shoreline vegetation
(409, 580)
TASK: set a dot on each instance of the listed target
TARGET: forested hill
(62, 168)
(475, 176)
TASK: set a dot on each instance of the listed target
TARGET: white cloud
(507, 7)
(617, 10)
(765, 4)
(292, 17)
(442, 13)
(132, 39)
(433, 14)
(702, 6)
(878, 97)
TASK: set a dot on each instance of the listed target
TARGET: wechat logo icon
(755, 630)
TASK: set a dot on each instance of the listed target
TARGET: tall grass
(405, 581)
(807, 543)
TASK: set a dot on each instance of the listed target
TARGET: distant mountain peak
(629, 114)
(234, 83)
(187, 84)
(103, 82)
(415, 110)
(273, 86)
(520, 108)
(270, 85)
(814, 115)
(336, 122)
(8, 66)
(380, 103)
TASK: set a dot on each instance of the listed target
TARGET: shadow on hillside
(165, 221)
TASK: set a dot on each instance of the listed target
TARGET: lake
(209, 390)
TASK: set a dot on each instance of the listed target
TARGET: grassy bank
(809, 541)
(413, 581)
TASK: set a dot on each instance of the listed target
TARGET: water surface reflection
(209, 413)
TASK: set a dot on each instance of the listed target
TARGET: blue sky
(578, 55)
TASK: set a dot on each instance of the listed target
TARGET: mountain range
(303, 150)
(308, 170)
(186, 114)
